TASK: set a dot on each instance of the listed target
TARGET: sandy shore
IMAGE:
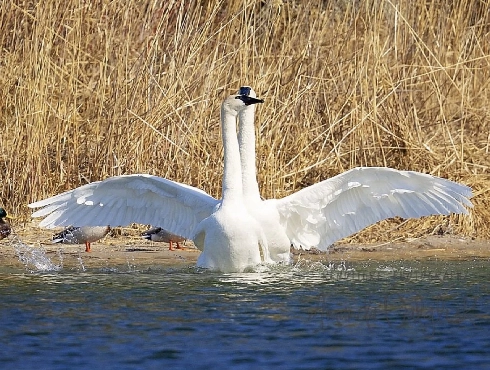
(133, 251)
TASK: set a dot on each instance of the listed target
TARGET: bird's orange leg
(171, 248)
(87, 247)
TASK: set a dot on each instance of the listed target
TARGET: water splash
(34, 259)
(80, 262)
(318, 266)
(131, 265)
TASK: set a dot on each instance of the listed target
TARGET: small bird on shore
(5, 228)
(81, 235)
(157, 234)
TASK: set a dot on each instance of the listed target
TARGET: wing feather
(338, 207)
(122, 200)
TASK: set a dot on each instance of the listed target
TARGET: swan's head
(247, 90)
(236, 103)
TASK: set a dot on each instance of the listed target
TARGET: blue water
(373, 315)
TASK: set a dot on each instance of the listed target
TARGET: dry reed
(91, 89)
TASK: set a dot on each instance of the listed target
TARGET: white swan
(325, 212)
(229, 238)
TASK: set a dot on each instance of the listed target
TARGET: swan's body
(229, 238)
(81, 235)
(157, 234)
(239, 230)
(5, 228)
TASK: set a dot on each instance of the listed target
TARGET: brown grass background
(92, 89)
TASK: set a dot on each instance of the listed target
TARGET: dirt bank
(126, 249)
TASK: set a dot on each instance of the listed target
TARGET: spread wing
(338, 207)
(121, 200)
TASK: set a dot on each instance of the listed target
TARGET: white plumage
(241, 230)
(125, 199)
(338, 207)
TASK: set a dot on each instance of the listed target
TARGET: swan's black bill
(248, 100)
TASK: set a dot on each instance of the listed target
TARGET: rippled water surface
(310, 316)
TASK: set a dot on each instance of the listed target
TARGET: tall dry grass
(91, 89)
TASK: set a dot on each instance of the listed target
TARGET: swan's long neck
(232, 177)
(246, 139)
